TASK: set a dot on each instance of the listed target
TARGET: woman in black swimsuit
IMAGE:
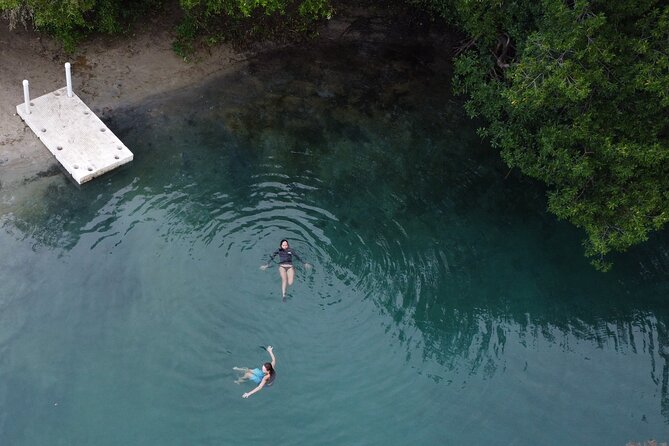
(286, 269)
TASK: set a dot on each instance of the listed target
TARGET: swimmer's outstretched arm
(257, 389)
(270, 350)
(306, 265)
(271, 259)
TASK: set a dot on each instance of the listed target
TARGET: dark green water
(445, 306)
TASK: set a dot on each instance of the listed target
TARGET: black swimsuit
(285, 258)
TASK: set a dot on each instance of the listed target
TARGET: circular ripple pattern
(441, 293)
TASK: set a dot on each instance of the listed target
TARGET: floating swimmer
(263, 376)
(286, 269)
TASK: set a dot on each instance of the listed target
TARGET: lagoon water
(445, 305)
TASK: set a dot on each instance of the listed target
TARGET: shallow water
(444, 307)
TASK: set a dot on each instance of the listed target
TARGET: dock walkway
(78, 139)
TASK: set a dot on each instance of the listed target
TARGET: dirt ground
(108, 72)
(111, 72)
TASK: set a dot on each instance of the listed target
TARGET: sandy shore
(112, 72)
(108, 72)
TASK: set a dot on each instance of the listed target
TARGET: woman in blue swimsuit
(286, 269)
(263, 376)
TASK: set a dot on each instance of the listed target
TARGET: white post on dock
(26, 95)
(68, 78)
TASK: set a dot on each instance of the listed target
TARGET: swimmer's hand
(269, 348)
(307, 265)
(264, 267)
(246, 395)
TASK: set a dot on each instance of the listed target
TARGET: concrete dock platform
(78, 139)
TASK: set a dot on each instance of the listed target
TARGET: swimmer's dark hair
(270, 369)
(281, 243)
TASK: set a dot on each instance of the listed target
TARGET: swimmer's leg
(284, 279)
(291, 275)
(245, 377)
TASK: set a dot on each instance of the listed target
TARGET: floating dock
(78, 139)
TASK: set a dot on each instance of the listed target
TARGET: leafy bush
(71, 20)
(576, 94)
(246, 21)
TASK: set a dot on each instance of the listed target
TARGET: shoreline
(107, 73)
(111, 73)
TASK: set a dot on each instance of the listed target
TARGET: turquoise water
(444, 307)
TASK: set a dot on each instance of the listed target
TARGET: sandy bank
(107, 73)
(119, 71)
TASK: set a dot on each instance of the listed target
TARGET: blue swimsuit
(258, 375)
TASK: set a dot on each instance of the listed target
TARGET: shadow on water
(364, 156)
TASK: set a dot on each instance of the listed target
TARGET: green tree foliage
(575, 93)
(211, 20)
(245, 8)
(70, 20)
(247, 20)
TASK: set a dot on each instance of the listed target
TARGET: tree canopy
(576, 94)
(239, 21)
(71, 20)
